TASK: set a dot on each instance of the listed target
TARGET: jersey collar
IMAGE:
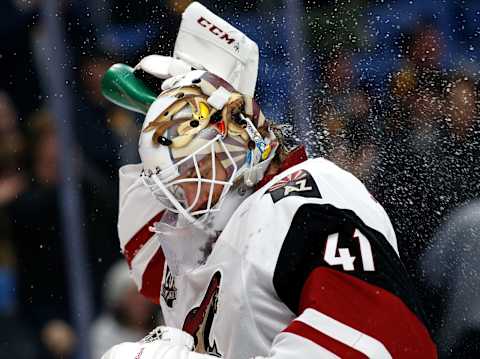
(296, 156)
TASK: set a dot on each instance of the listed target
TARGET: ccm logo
(215, 30)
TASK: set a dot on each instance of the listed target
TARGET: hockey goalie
(250, 249)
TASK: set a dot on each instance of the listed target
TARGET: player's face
(206, 172)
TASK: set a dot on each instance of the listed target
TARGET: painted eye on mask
(188, 129)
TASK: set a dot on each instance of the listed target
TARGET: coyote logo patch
(198, 322)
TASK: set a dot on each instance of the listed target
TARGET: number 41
(344, 258)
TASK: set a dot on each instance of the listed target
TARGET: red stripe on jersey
(332, 345)
(139, 239)
(152, 277)
(368, 309)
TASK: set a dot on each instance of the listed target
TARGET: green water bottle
(120, 86)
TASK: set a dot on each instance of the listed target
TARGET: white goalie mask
(199, 139)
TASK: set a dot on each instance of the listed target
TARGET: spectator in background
(98, 36)
(16, 339)
(430, 159)
(451, 271)
(35, 217)
(460, 167)
(13, 180)
(410, 156)
(424, 51)
(58, 339)
(36, 238)
(91, 114)
(127, 315)
(107, 135)
(345, 111)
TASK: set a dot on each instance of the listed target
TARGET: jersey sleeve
(348, 289)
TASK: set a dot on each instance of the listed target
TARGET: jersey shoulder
(319, 181)
(317, 217)
(267, 216)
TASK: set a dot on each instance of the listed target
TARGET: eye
(203, 111)
(163, 141)
(191, 173)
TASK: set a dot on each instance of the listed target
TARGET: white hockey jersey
(307, 267)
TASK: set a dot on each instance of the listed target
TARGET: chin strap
(260, 154)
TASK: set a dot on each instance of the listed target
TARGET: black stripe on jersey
(304, 247)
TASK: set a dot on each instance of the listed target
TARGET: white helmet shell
(200, 116)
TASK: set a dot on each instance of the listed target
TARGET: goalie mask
(199, 139)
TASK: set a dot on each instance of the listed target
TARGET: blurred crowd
(416, 147)
(387, 101)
